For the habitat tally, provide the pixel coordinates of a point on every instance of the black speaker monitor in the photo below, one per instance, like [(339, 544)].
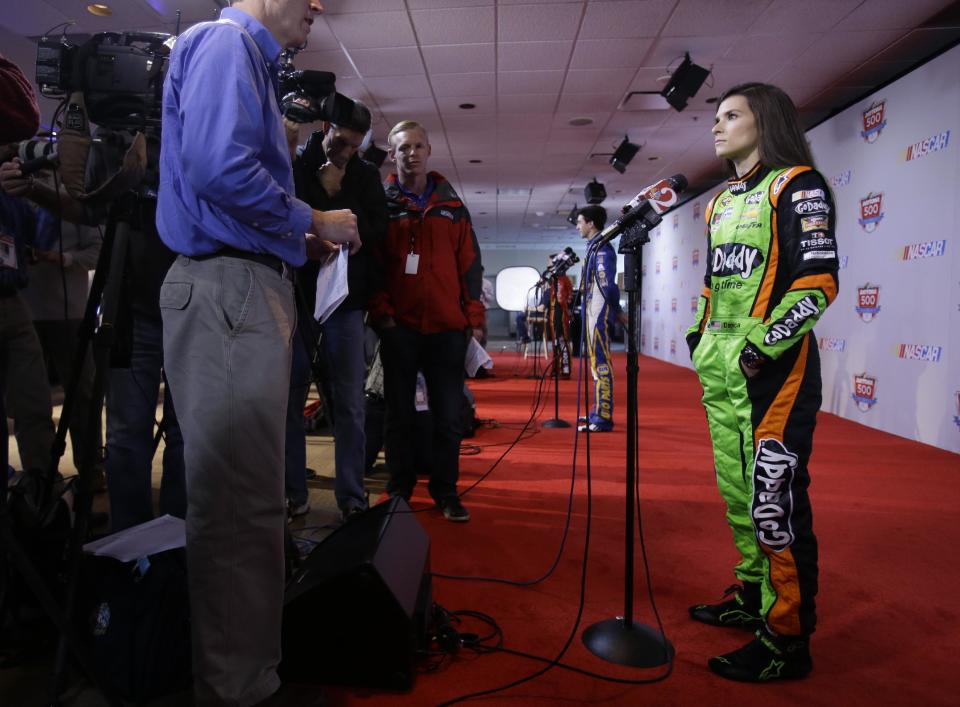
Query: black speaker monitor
[(684, 83), (358, 609)]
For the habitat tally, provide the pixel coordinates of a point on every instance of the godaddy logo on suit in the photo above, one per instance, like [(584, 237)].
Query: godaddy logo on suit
[(773, 469), (736, 259), (790, 323)]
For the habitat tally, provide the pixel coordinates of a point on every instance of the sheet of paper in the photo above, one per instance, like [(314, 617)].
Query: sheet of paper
[(154, 536), (476, 358), (331, 285)]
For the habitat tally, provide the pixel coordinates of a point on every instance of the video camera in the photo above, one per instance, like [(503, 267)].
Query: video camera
[(120, 75), (309, 96)]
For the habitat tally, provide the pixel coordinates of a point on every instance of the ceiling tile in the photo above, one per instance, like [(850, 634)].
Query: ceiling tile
[(321, 37), (610, 53), (459, 58), (704, 51), (424, 4), (846, 48), (334, 61), (468, 25), (891, 14), (526, 23), (697, 18), (337, 7), (770, 48), (531, 56), (393, 61), (371, 30), (450, 105), (623, 20), (598, 81), (529, 81), (784, 16), (528, 103), (410, 87), (594, 102), (464, 84)]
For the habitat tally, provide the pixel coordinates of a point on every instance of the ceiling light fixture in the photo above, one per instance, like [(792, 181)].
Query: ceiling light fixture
[(476, 161), (684, 83), (580, 122), (572, 216), (99, 9), (468, 106)]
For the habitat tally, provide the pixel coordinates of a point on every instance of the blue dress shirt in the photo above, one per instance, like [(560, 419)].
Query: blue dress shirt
[(225, 172)]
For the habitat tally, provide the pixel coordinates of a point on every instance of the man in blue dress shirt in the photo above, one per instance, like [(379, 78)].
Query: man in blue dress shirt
[(226, 206)]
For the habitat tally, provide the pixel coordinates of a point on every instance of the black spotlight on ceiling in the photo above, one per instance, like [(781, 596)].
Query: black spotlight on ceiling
[(625, 152), (594, 192), (375, 155), (684, 83), (572, 216)]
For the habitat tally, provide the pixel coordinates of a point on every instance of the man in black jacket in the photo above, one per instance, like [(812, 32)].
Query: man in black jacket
[(330, 174)]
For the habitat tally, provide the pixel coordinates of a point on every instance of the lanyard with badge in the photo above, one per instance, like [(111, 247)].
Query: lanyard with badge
[(412, 264)]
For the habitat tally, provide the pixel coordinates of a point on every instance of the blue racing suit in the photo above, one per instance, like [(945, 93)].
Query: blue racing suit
[(600, 301)]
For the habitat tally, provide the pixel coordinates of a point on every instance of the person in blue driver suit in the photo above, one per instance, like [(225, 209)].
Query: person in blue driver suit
[(601, 301)]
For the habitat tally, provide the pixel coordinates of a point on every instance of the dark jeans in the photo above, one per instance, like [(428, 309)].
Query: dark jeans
[(440, 357), (131, 411)]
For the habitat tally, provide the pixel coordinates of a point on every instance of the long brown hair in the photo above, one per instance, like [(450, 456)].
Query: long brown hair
[(782, 142)]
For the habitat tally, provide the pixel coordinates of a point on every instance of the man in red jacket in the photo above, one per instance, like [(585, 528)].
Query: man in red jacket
[(426, 312)]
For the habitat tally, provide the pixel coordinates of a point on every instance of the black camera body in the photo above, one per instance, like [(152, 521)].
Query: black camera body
[(119, 73), (309, 96)]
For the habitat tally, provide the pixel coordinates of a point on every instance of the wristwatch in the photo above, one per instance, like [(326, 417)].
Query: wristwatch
[(751, 357)]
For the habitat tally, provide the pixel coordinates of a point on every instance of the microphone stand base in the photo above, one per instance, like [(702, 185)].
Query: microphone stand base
[(555, 423), (637, 646)]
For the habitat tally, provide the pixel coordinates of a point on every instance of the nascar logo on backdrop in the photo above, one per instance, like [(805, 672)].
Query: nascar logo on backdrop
[(956, 418), (693, 304), (873, 121), (673, 347), (934, 143), (868, 302), (864, 391), (871, 211), (696, 211), (673, 305), (918, 251), (919, 352), (696, 257), (842, 179)]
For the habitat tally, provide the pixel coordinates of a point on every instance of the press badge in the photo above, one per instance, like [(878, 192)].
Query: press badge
[(413, 263), (8, 252)]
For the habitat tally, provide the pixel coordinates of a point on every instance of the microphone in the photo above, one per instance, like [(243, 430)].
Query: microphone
[(661, 195), (645, 214)]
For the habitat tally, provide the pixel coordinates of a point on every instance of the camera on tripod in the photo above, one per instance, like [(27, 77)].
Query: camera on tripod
[(119, 73), (309, 96)]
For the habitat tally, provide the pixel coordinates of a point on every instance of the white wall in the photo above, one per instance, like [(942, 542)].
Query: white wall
[(889, 343)]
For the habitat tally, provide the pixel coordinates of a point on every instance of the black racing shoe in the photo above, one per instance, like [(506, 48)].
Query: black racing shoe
[(766, 657), (453, 510), (742, 610)]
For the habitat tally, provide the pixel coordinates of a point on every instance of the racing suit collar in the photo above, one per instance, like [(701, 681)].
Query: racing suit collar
[(747, 182)]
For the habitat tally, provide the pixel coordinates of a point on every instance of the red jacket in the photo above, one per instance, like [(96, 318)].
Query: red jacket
[(444, 294)]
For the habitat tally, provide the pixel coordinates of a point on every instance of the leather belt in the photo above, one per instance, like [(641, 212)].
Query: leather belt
[(271, 261)]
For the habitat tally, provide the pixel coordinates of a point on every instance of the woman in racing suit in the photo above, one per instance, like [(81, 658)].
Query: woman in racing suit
[(771, 273)]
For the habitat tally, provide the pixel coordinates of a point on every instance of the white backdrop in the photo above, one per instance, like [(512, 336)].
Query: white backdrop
[(889, 343)]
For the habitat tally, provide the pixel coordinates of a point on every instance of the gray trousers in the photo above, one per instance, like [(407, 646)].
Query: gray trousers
[(227, 328)]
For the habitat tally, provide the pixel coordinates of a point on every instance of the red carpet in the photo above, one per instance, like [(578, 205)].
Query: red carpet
[(887, 515)]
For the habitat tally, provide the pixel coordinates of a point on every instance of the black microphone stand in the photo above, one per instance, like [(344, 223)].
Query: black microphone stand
[(556, 422), (621, 640)]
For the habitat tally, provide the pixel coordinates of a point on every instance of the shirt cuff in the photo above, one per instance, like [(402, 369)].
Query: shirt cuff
[(301, 218)]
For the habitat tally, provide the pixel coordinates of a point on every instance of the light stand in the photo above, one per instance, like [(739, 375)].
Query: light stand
[(556, 422), (620, 640), (532, 330)]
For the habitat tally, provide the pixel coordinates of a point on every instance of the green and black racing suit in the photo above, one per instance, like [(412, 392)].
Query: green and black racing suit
[(771, 273)]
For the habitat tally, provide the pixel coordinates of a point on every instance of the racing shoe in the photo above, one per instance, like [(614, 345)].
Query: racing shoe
[(767, 657), (742, 610)]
